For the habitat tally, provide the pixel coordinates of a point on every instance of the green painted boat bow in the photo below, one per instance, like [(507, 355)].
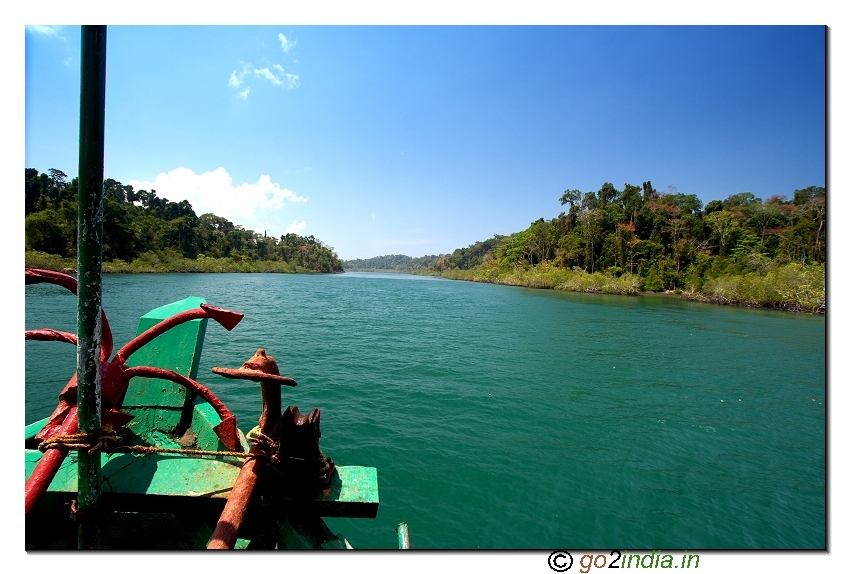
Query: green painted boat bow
[(170, 500)]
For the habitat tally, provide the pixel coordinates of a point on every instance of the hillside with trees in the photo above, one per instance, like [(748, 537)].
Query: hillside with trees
[(742, 250), (391, 263), (146, 233)]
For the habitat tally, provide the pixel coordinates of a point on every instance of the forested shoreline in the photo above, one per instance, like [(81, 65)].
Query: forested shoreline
[(392, 263), (739, 251), (143, 233)]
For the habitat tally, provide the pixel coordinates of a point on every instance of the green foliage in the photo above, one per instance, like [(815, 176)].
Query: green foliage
[(47, 231), (392, 263), (41, 260), (794, 287), (548, 276), (475, 254), (585, 282), (731, 250), (653, 280), (146, 233)]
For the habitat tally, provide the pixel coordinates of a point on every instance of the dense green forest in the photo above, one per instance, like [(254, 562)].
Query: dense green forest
[(391, 263), (742, 250), (143, 232)]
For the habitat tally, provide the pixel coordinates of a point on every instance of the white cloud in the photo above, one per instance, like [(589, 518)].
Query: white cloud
[(252, 205), (292, 81), (266, 73), (285, 44), (280, 77), (297, 227), (237, 78), (52, 31)]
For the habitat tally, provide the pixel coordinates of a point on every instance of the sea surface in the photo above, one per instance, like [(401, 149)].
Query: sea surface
[(510, 418)]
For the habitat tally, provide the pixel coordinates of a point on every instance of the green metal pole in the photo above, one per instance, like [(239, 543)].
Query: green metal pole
[(89, 261)]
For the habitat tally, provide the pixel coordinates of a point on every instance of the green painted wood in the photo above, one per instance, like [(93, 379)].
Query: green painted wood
[(204, 419), (157, 403), (353, 493), (241, 543), (32, 429), (174, 482)]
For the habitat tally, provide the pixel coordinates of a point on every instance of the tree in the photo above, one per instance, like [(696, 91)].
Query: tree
[(570, 248), (115, 191), (744, 201), (571, 196), (648, 191), (540, 241), (590, 201), (32, 190), (712, 206), (677, 228), (44, 231), (801, 196), (608, 193), (686, 203), (592, 233), (764, 215), (722, 223), (117, 233), (815, 208), (631, 200)]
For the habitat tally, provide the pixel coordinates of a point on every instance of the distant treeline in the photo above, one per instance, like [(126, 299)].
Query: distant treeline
[(742, 250), (392, 263), (143, 232)]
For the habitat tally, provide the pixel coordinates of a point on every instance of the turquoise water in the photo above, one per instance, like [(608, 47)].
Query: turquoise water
[(510, 418)]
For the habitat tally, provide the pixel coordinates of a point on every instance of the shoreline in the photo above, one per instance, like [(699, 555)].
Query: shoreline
[(692, 296), (535, 278)]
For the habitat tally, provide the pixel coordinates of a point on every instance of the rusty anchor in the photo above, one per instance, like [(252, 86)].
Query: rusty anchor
[(263, 369), (288, 443), (116, 375)]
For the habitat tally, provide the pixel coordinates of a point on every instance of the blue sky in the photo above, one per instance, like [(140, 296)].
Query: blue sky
[(422, 139), (419, 141)]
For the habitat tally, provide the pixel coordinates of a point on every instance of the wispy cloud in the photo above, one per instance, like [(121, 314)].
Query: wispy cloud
[(297, 227), (266, 73), (50, 31), (292, 80), (237, 77), (280, 77), (252, 205), (286, 45)]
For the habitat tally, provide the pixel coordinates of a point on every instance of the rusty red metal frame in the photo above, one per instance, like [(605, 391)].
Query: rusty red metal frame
[(115, 377), (33, 276)]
